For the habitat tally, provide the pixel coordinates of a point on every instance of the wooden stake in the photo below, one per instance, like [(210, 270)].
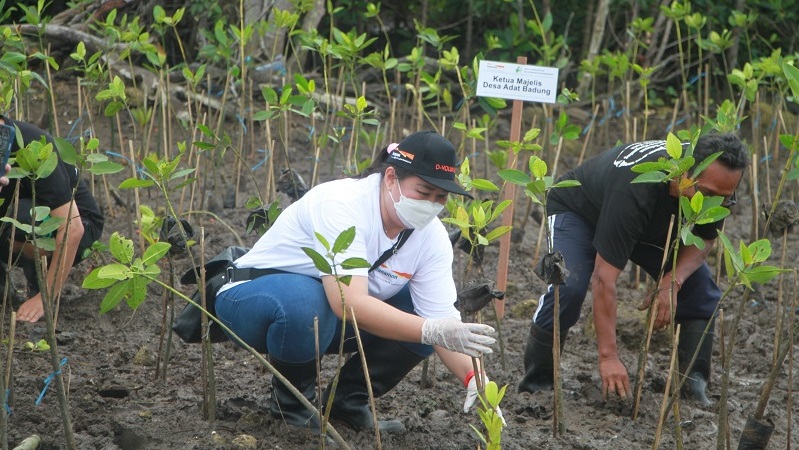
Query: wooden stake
[(507, 215)]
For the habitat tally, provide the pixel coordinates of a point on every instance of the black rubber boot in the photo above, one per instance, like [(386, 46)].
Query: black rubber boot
[(284, 405), (690, 334), (29, 269), (538, 364), (388, 363)]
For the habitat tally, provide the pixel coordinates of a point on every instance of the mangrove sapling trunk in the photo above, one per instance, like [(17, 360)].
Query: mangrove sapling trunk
[(63, 405), (375, 422), (163, 353), (209, 381), (558, 425), (664, 406), (725, 371)]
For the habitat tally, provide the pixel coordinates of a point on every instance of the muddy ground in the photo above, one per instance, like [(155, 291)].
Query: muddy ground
[(116, 401)]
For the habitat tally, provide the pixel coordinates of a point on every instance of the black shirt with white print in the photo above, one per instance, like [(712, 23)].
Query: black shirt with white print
[(624, 213)]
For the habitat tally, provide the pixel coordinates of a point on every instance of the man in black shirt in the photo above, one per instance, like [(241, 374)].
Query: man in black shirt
[(607, 221), (69, 198)]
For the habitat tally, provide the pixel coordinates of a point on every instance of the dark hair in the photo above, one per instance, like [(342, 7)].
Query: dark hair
[(734, 154), (380, 164)]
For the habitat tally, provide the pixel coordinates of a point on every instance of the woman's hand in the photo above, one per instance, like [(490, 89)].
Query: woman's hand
[(470, 339), (471, 394)]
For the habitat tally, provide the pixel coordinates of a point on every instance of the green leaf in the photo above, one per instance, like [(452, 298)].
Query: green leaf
[(673, 146), (93, 281), (155, 252), (121, 248), (760, 250), (538, 167), (514, 176), (25, 228), (711, 215), (114, 271), (152, 271), (46, 243), (696, 201), (318, 260), (138, 292), (134, 183), (355, 263), (566, 183), (704, 164), (746, 255), (48, 166), (792, 75), (344, 240), (650, 177), (114, 296), (497, 232), (652, 166), (763, 274), (484, 185), (66, 151), (345, 280), (105, 168), (49, 225), (323, 241)]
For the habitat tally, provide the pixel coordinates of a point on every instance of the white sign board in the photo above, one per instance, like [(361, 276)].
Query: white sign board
[(517, 82)]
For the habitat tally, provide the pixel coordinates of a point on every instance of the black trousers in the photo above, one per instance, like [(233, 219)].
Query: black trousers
[(573, 237)]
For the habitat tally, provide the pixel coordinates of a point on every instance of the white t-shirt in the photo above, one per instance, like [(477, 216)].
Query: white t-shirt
[(424, 261)]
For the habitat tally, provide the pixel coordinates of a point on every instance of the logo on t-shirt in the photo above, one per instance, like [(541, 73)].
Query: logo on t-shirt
[(637, 152), (391, 277)]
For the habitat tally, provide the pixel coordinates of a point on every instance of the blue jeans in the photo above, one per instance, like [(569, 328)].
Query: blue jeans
[(275, 315), (573, 237)]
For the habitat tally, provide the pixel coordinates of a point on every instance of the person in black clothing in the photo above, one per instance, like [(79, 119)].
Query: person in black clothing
[(67, 197), (607, 221)]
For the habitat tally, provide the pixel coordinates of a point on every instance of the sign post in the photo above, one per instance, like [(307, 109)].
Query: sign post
[(518, 82)]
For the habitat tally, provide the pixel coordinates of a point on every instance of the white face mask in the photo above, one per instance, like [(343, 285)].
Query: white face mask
[(414, 213)]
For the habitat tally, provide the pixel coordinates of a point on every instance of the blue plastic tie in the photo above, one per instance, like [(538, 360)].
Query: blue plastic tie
[(5, 402), (49, 380)]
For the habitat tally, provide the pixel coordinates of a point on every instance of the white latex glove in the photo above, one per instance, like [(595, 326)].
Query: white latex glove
[(468, 338), (471, 395)]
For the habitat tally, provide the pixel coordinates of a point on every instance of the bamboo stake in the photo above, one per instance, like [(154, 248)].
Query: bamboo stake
[(780, 316), (723, 428), (723, 354), (666, 392), (639, 380), (753, 233), (375, 422), (29, 443), (792, 341), (136, 197)]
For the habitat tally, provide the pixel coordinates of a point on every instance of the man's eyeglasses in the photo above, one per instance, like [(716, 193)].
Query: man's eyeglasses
[(727, 202)]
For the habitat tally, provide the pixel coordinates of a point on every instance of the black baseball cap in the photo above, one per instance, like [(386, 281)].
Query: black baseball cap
[(429, 156)]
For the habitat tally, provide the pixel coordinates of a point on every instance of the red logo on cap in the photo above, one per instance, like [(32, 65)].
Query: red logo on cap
[(445, 168)]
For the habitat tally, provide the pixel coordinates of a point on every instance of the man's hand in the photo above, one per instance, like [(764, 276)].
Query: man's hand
[(32, 310), (614, 378), (663, 305), (4, 178)]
